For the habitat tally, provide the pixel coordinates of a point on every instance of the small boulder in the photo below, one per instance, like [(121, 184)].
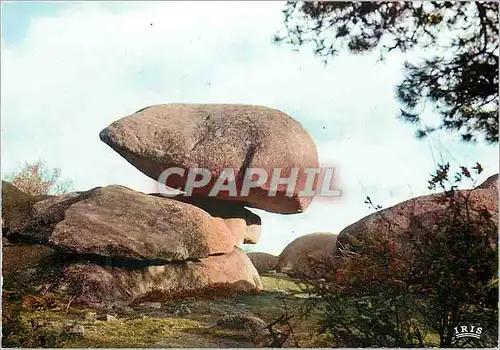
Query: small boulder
[(263, 262), (308, 255), (182, 311), (251, 325)]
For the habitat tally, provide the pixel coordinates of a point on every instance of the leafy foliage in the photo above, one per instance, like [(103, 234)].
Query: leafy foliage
[(461, 79), (37, 179)]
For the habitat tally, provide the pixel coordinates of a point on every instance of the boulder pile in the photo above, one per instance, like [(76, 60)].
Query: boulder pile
[(112, 243)]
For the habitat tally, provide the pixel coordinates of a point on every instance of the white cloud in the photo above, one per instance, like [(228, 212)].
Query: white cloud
[(90, 64)]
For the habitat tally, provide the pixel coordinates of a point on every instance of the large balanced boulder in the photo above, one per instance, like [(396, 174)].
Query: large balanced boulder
[(39, 222), (422, 213), (217, 137), (263, 262), (97, 283), (117, 222), (308, 256)]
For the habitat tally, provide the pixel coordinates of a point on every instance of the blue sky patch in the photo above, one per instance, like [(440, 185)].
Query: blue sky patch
[(16, 17)]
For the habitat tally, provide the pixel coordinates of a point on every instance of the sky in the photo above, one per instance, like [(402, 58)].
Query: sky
[(70, 69)]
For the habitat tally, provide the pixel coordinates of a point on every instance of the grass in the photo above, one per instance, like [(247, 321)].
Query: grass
[(282, 283)]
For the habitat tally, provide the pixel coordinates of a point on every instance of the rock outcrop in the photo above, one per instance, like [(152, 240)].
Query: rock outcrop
[(115, 244), (263, 262)]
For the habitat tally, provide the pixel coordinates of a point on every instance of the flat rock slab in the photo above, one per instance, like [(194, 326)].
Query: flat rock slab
[(216, 137), (92, 283), (117, 222)]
